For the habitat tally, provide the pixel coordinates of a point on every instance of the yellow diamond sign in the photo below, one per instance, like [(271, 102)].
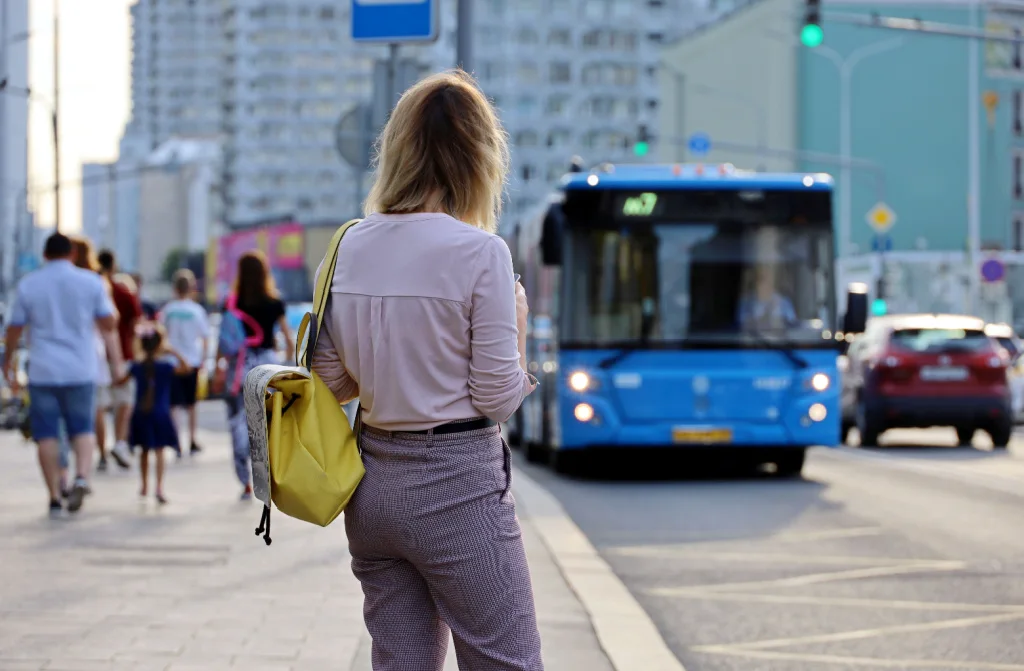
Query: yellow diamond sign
[(881, 218)]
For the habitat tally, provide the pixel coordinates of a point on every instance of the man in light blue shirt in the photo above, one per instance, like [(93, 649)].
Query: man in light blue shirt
[(61, 306)]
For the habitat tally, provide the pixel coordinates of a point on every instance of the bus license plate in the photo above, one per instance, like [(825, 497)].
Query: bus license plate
[(701, 436)]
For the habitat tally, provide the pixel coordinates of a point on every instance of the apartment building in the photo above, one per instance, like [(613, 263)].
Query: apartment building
[(271, 78)]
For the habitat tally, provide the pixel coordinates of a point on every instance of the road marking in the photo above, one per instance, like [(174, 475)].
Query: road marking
[(699, 593), (836, 576), (981, 473), (627, 635), (825, 534), (813, 560), (862, 634), (870, 661)]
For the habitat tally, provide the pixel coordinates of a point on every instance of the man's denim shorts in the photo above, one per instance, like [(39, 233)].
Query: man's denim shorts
[(75, 404)]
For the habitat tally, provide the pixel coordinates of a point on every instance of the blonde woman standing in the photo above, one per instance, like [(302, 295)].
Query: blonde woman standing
[(426, 326)]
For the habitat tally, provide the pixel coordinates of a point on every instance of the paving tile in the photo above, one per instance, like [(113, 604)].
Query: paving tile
[(127, 587)]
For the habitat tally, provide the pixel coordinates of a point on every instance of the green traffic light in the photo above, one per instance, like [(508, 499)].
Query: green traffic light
[(878, 307), (641, 148), (812, 35)]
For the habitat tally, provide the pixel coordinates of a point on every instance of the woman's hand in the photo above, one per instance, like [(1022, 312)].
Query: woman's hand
[(522, 307), (522, 312)]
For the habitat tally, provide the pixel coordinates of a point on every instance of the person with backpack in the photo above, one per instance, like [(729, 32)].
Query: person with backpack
[(251, 315), (426, 325)]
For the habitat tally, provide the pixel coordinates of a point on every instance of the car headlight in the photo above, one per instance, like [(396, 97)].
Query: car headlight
[(820, 382), (579, 381)]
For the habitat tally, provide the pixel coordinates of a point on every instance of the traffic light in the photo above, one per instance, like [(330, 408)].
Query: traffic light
[(643, 141), (811, 34), (879, 307)]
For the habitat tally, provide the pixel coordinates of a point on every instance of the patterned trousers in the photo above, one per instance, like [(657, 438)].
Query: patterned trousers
[(236, 415), (437, 547)]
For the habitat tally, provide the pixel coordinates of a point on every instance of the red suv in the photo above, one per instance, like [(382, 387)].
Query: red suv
[(928, 370)]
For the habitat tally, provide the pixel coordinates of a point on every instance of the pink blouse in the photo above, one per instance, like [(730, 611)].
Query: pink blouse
[(421, 324)]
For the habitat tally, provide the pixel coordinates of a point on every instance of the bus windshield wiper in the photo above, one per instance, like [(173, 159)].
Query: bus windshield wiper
[(645, 337), (759, 337)]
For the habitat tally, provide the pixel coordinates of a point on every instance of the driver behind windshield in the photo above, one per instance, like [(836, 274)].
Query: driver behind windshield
[(763, 308)]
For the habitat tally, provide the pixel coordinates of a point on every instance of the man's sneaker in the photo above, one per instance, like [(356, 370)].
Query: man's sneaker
[(102, 466), (247, 494), (195, 449), (56, 508), (78, 492), (121, 454)]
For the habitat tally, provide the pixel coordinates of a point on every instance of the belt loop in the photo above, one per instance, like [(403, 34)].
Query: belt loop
[(430, 437)]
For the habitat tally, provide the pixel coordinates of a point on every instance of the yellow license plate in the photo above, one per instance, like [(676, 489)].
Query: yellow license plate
[(701, 436)]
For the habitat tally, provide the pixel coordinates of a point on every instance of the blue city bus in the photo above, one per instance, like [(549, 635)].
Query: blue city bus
[(685, 307)]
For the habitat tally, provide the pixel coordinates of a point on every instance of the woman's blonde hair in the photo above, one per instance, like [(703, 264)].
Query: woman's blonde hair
[(443, 141)]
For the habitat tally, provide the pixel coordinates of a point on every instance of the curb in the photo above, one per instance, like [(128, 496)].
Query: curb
[(626, 633)]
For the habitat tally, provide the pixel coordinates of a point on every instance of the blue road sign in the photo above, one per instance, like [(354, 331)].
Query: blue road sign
[(993, 270), (700, 143), (394, 21), (881, 243)]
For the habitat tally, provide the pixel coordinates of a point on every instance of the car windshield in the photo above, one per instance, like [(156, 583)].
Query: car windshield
[(935, 340), (1009, 345)]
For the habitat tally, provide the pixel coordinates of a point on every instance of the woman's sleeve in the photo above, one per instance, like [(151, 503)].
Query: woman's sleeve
[(328, 365), (497, 383)]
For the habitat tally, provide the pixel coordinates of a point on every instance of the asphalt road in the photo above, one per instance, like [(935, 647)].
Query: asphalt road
[(910, 556)]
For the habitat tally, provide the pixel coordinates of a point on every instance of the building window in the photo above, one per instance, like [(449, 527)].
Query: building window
[(1018, 232), (1018, 174), (527, 138), (557, 105), (560, 37), (561, 73), (1018, 112), (1016, 48)]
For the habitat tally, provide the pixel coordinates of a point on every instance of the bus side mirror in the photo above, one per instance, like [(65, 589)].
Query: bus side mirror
[(551, 236), (856, 318)]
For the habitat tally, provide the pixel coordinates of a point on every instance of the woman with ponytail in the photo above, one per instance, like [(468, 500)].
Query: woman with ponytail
[(152, 426)]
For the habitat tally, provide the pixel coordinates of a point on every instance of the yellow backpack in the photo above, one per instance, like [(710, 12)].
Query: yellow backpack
[(304, 453)]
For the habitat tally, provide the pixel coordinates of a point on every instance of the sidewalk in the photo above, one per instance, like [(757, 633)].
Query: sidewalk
[(128, 586)]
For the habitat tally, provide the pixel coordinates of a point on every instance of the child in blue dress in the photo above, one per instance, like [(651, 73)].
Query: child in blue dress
[(152, 426)]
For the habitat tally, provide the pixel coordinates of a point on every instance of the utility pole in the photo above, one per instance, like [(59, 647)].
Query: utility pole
[(6, 237), (55, 116), (464, 36)]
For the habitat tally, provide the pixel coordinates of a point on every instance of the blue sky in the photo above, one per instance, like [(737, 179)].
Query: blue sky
[(95, 60)]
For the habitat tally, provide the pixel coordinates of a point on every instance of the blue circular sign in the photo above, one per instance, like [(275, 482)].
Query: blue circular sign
[(993, 270), (700, 143)]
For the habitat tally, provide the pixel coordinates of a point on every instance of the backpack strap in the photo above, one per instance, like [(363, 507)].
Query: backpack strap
[(312, 322)]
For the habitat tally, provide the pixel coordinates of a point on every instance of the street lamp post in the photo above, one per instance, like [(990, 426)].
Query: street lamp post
[(845, 66), (680, 87)]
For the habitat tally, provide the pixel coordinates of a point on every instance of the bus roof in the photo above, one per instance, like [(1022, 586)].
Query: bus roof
[(693, 176)]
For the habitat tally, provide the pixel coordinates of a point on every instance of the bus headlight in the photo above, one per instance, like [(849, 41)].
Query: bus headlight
[(584, 412), (817, 412), (579, 381), (820, 382)]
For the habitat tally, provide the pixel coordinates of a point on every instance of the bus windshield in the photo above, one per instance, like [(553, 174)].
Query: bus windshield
[(733, 280)]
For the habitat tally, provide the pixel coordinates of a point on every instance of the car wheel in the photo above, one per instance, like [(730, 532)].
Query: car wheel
[(1000, 434), (536, 453), (868, 425), (790, 464), (965, 435)]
